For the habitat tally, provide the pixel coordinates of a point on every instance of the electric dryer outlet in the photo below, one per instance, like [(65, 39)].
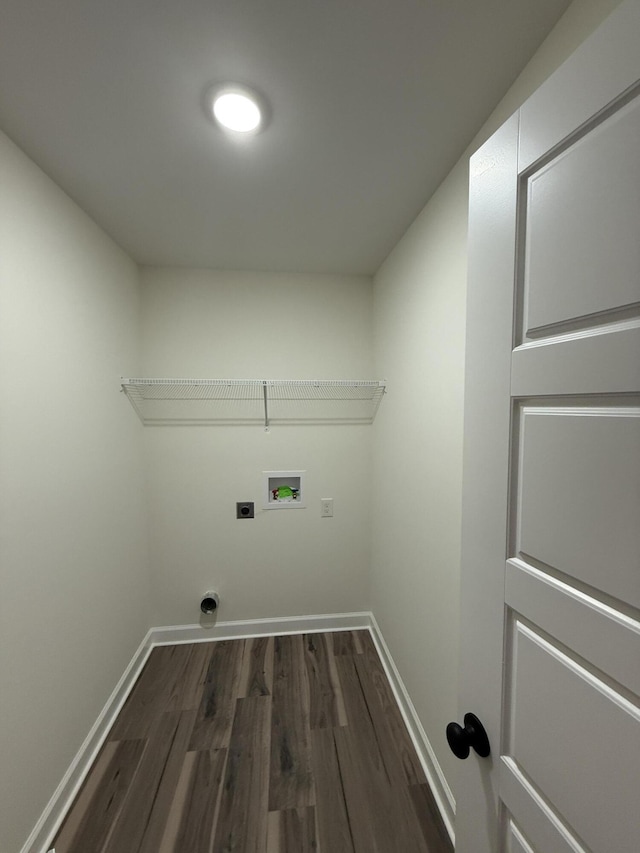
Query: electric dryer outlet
[(245, 509)]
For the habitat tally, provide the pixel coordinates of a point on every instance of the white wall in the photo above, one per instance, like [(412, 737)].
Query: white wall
[(222, 325), (419, 325), (72, 535)]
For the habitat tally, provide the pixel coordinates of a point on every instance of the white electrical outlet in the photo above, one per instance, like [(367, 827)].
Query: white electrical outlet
[(326, 507)]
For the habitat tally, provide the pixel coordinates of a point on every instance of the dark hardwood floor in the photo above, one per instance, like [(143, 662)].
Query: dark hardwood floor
[(274, 745)]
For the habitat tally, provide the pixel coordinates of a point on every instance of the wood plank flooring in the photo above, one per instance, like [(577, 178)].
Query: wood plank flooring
[(288, 744)]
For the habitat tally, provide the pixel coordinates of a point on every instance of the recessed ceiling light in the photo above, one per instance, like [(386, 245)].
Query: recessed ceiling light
[(237, 108)]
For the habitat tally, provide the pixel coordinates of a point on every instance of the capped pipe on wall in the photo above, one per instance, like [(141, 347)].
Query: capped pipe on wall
[(209, 603)]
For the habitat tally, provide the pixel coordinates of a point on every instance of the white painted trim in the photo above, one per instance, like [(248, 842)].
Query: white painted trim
[(43, 833), (175, 634), (41, 837), (440, 789)]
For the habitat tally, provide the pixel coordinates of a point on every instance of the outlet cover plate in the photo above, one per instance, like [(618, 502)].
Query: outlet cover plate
[(326, 507)]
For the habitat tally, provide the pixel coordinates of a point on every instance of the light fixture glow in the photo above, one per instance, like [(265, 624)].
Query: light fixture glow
[(237, 109)]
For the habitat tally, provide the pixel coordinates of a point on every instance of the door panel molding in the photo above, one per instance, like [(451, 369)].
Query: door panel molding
[(557, 365), (594, 630), (569, 731), (593, 78), (577, 475), (515, 842), (541, 823), (570, 233)]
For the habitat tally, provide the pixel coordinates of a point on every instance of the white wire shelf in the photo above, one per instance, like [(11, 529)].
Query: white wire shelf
[(161, 402)]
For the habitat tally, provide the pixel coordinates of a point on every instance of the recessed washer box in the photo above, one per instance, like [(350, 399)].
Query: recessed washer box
[(283, 489)]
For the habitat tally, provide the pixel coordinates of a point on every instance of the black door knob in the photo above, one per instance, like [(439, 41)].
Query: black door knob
[(472, 735)]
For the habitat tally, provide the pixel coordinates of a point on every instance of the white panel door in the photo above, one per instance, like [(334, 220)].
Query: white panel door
[(550, 646)]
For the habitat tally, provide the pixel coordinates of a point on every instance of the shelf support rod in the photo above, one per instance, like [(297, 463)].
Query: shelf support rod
[(266, 407)]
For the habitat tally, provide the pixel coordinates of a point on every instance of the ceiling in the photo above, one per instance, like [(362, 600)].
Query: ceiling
[(372, 103)]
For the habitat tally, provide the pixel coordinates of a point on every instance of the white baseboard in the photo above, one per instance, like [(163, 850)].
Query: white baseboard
[(173, 634), (439, 786), (43, 833), (49, 822)]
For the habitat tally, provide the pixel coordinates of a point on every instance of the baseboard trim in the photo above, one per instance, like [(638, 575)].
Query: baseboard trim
[(45, 829), (439, 786), (49, 822), (174, 634)]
